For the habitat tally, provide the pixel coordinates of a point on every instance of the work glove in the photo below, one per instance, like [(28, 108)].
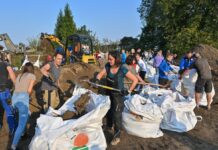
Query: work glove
[(48, 80), (96, 81), (125, 92)]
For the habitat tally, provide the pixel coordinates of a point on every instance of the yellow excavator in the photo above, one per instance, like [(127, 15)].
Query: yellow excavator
[(81, 48), (77, 48)]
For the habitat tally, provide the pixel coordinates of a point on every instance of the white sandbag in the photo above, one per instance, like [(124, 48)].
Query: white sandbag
[(158, 96), (176, 83), (148, 126), (178, 114), (55, 134)]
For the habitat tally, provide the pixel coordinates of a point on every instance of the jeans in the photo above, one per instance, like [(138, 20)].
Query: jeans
[(20, 102), (4, 96)]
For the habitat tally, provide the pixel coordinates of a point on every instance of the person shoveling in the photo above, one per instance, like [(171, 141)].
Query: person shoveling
[(115, 73), (50, 82)]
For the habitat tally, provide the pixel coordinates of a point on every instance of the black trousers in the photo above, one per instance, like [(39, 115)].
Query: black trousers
[(142, 74), (114, 115)]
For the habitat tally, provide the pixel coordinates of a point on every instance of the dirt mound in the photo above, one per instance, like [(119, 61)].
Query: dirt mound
[(208, 52)]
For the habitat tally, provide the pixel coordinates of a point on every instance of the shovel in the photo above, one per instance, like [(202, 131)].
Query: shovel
[(152, 84), (102, 86)]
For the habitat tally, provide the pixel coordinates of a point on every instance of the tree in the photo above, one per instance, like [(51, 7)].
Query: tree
[(59, 26), (178, 24), (83, 30), (128, 43), (65, 25)]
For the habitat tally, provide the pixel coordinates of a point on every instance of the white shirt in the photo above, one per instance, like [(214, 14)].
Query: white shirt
[(142, 65)]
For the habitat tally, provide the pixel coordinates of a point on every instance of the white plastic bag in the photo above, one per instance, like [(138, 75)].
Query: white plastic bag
[(178, 114), (55, 134), (149, 124)]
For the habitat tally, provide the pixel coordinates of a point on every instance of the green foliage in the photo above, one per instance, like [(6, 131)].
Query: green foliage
[(65, 25), (178, 24), (83, 30), (128, 43)]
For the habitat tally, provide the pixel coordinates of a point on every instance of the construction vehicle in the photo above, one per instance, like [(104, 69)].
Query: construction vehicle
[(53, 39), (78, 47), (81, 48), (10, 45)]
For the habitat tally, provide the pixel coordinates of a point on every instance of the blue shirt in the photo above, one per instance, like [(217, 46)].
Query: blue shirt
[(123, 57), (185, 63), (164, 67)]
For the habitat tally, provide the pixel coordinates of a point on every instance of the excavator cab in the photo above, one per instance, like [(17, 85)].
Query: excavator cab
[(81, 48)]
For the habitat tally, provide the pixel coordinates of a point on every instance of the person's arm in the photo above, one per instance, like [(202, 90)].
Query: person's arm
[(101, 74), (30, 88), (45, 70), (11, 74), (132, 77)]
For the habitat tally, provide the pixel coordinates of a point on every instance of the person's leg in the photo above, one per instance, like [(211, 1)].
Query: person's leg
[(45, 100), (208, 89), (23, 117), (109, 115), (54, 99), (117, 117), (9, 112), (197, 98), (199, 87)]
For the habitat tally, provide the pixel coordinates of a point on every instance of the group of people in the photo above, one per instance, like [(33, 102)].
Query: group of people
[(121, 68), (17, 105), (120, 71), (23, 84)]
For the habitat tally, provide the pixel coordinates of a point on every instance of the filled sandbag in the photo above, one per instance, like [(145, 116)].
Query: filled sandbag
[(55, 134), (142, 118)]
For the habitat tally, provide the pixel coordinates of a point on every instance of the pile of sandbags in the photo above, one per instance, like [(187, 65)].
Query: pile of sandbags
[(53, 133)]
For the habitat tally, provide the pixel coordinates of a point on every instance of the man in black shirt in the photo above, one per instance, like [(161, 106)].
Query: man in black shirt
[(204, 81)]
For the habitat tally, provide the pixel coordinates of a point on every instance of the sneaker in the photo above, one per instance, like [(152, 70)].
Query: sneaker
[(115, 141)]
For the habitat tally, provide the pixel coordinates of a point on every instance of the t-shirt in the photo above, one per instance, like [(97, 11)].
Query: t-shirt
[(128, 81), (142, 65), (203, 68), (23, 82), (55, 73), (118, 78), (123, 69)]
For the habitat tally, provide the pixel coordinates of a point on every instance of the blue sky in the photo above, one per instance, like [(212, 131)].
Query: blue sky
[(110, 19)]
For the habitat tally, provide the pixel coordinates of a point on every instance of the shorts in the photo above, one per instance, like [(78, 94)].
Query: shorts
[(203, 85)]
